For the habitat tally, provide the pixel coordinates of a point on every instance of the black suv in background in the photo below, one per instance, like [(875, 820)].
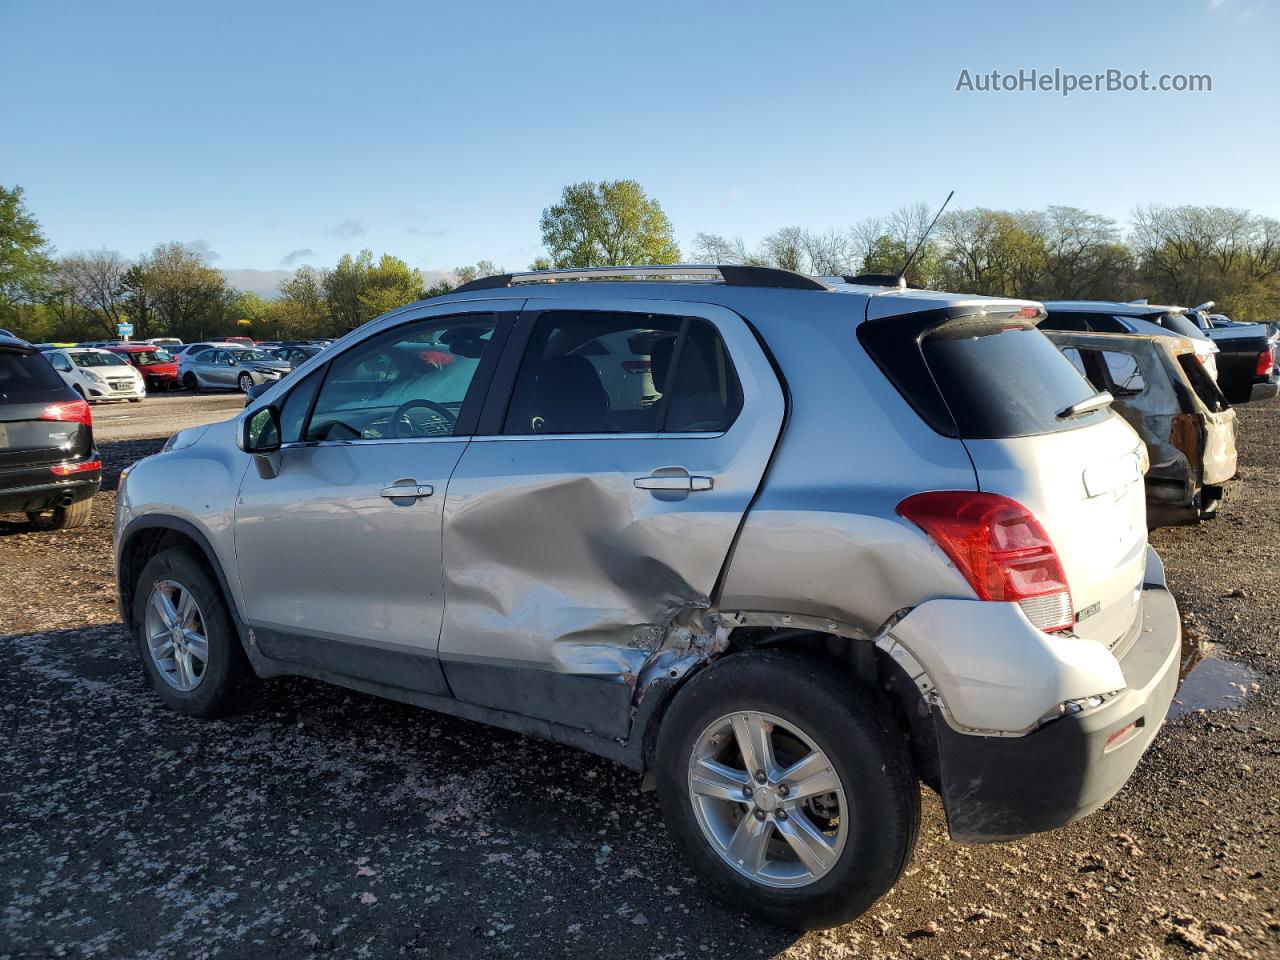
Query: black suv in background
[(49, 468)]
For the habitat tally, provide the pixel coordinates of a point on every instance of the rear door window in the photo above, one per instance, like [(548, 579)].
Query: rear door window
[(596, 372)]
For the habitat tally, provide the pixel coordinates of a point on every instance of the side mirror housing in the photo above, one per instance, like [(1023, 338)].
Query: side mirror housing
[(260, 431)]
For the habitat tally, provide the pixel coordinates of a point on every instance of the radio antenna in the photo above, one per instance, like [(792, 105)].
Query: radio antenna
[(925, 236)]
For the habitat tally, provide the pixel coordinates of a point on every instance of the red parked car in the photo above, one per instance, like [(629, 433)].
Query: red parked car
[(155, 364)]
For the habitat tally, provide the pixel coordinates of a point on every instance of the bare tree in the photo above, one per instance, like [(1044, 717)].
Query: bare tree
[(93, 282)]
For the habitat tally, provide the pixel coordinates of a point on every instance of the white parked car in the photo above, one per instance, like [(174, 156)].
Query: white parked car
[(98, 375)]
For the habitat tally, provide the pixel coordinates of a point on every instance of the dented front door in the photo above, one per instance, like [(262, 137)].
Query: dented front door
[(568, 557)]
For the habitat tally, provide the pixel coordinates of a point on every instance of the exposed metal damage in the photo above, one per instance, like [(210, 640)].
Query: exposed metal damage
[(1165, 394)]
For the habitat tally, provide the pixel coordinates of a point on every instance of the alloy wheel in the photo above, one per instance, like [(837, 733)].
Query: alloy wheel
[(176, 636), (768, 799)]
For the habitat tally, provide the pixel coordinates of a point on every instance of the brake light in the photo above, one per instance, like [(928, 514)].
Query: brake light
[(67, 469), (1265, 362), (1001, 550), (77, 411)]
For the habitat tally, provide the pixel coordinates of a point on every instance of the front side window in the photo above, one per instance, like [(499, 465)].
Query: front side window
[(410, 383), (602, 373)]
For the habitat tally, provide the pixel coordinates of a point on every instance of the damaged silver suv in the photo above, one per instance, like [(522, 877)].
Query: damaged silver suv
[(788, 546)]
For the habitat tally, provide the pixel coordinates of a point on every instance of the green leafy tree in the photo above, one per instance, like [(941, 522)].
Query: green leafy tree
[(607, 224), (358, 289), (26, 264), (171, 291), (301, 311)]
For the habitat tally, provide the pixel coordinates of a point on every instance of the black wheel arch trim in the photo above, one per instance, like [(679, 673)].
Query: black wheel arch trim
[(124, 590)]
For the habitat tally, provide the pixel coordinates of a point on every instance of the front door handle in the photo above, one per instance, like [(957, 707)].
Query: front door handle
[(673, 483), (407, 488)]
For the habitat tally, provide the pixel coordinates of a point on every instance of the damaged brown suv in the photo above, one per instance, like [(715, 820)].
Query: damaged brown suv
[(1162, 389)]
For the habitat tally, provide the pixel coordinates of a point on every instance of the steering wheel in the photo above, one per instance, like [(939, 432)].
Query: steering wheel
[(404, 426)]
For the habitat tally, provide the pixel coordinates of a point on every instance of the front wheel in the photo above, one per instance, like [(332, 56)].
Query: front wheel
[(187, 641), (189, 382), (790, 791), (245, 382)]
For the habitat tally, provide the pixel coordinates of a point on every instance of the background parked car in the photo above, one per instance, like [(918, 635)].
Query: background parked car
[(155, 364), (295, 356), (231, 368), (98, 375), (242, 341), (1165, 394), (49, 468), (1105, 316), (1247, 355), (168, 343)]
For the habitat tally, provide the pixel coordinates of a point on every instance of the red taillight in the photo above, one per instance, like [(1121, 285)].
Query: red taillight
[(67, 469), (1000, 548), (77, 411), (1265, 362)]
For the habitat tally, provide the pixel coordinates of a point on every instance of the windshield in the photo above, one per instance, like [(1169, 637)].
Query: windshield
[(148, 358), (96, 359), (244, 355)]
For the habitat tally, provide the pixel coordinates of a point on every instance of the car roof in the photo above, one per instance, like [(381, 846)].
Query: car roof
[(1112, 307), (8, 340), (875, 300)]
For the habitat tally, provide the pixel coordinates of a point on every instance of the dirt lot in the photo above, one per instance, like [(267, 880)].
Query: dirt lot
[(327, 822)]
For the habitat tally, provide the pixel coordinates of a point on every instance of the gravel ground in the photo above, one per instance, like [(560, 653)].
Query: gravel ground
[(327, 822)]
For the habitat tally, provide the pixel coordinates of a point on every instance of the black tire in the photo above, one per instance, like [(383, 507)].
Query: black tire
[(189, 382), (135, 399), (62, 518), (245, 382), (869, 753), (228, 680)]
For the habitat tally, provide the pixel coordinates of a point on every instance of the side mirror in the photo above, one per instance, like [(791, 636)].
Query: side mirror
[(260, 431)]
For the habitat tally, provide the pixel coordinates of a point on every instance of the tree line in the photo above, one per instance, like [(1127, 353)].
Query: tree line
[(1168, 254)]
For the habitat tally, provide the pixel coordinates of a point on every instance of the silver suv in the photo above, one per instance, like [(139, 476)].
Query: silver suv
[(788, 546)]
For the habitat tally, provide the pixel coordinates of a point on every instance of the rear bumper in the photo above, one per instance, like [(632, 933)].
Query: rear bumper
[(42, 496), (1264, 391), (998, 788)]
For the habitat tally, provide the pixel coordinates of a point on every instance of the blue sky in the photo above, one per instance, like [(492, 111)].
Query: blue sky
[(274, 134)]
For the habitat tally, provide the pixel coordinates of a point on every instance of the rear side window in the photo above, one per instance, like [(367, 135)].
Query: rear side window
[(588, 372), (27, 376), (976, 378)]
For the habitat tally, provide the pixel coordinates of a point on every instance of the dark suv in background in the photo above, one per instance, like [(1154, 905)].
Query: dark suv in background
[(49, 468)]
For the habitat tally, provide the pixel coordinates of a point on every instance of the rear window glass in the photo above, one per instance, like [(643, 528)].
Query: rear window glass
[(1003, 379), (25, 375), (977, 378)]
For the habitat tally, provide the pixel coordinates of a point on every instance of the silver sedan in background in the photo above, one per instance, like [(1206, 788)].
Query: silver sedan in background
[(230, 368)]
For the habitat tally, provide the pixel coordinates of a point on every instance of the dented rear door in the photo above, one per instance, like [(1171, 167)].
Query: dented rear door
[(583, 525)]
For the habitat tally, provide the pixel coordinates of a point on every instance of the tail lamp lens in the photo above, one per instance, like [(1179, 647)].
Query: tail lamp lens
[(1265, 362), (68, 469), (1000, 548), (76, 411)]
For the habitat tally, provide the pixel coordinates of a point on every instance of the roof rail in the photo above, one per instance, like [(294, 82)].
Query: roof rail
[(878, 280), (732, 275)]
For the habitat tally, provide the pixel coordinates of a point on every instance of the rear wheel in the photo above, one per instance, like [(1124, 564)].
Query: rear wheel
[(789, 790), (188, 644), (62, 518)]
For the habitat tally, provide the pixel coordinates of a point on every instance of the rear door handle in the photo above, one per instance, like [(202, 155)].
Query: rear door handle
[(673, 483), (411, 489)]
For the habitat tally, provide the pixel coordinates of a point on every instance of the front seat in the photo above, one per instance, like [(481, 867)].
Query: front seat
[(569, 398)]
